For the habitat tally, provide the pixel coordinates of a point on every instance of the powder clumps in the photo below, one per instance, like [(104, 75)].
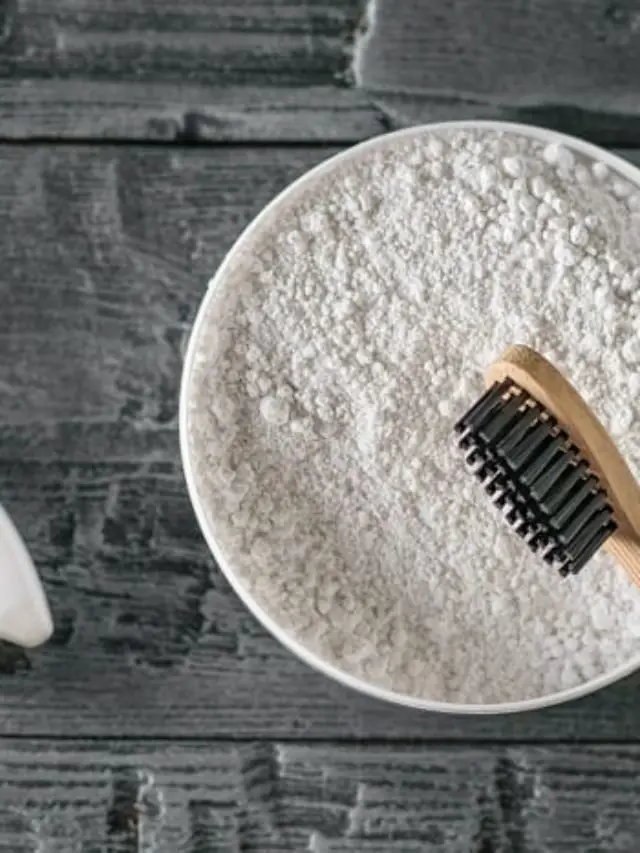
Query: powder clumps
[(331, 366)]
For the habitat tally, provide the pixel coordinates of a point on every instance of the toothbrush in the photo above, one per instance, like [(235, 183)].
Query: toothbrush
[(550, 466)]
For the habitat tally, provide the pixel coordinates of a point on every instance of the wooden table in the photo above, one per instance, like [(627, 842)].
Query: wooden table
[(138, 138)]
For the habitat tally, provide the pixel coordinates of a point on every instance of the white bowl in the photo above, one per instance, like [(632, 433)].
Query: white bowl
[(295, 189)]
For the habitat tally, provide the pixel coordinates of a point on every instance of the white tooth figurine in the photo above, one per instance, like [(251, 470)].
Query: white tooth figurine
[(25, 618)]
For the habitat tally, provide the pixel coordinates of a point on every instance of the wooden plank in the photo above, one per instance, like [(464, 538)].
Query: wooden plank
[(571, 66), (184, 112), (106, 252), (280, 798), (122, 69)]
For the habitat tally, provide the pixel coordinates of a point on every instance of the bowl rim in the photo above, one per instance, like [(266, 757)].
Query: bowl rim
[(623, 167)]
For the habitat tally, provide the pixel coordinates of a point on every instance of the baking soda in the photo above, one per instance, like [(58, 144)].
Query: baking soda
[(333, 361)]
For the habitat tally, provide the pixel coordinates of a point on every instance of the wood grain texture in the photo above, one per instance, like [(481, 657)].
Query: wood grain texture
[(574, 67), (189, 71), (280, 798), (106, 252), (285, 71)]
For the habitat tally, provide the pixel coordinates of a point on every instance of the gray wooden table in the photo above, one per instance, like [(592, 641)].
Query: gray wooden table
[(137, 139)]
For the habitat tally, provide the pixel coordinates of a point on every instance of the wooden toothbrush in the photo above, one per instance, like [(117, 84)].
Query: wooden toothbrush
[(548, 463)]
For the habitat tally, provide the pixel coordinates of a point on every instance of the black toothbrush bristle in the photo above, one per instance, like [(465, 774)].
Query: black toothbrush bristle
[(536, 476)]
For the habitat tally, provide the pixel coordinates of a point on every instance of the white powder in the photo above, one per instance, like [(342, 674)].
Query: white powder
[(335, 358)]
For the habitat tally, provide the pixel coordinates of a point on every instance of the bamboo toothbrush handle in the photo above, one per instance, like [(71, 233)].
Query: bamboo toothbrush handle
[(625, 550), (528, 369)]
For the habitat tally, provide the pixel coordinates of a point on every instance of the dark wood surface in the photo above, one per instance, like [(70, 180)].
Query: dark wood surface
[(572, 66), (322, 70), (284, 798), (180, 71), (161, 717)]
